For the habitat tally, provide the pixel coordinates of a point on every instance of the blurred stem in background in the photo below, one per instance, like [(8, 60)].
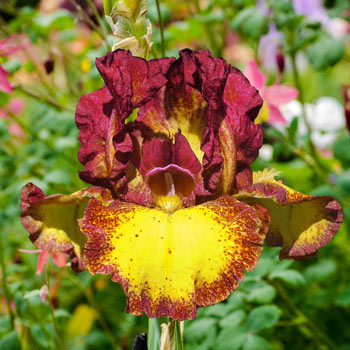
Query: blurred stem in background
[(89, 294), (312, 147), (59, 339), (4, 284), (161, 28), (100, 28), (317, 333), (210, 34)]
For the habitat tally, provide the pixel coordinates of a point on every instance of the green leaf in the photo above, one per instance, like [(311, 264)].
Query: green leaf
[(231, 338), (254, 342), (61, 313), (320, 271), (281, 265), (291, 277), (4, 324), (12, 66), (233, 319), (263, 317), (32, 294), (341, 150), (236, 300), (293, 128), (219, 310), (265, 265), (60, 19), (343, 298), (325, 52), (57, 176), (197, 330), (38, 335), (264, 294), (251, 22), (10, 342)]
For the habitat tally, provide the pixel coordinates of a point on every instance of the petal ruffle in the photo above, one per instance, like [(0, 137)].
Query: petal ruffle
[(169, 264), (52, 221), (132, 81), (106, 141), (192, 102), (300, 224), (243, 104), (97, 122)]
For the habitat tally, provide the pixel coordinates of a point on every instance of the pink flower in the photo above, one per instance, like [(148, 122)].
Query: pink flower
[(15, 107), (7, 47), (58, 258), (273, 96)]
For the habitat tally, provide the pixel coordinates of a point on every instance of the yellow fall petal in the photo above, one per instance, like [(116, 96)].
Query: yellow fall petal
[(300, 224), (52, 221), (170, 263)]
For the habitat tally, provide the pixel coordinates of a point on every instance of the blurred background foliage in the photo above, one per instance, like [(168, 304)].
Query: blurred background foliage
[(279, 305)]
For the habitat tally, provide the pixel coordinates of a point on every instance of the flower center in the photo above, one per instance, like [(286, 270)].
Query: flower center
[(168, 184)]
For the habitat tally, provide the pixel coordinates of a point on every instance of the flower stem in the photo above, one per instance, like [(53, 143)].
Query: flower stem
[(153, 335), (42, 98), (89, 294), (6, 291), (88, 20), (100, 22), (60, 344), (209, 33), (160, 20), (298, 85), (318, 333), (178, 336), (301, 93)]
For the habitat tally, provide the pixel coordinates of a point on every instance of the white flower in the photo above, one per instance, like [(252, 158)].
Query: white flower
[(325, 116)]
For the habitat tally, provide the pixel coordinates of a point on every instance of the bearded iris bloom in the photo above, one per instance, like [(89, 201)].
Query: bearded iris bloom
[(175, 213)]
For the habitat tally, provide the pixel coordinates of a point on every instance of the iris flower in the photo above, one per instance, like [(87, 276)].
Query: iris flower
[(175, 213)]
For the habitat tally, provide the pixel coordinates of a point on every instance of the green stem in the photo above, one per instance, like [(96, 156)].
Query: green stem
[(317, 332), (59, 340), (160, 20), (209, 33), (298, 85), (178, 336), (82, 12), (6, 290), (91, 299), (100, 22), (153, 335), (301, 94), (46, 99)]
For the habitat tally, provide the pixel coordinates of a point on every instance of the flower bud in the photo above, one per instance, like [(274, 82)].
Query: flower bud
[(280, 60), (130, 25), (346, 96)]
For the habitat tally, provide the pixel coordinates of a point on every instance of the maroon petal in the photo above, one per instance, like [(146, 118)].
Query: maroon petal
[(243, 103), (132, 80), (100, 132), (106, 141), (52, 221), (183, 155), (156, 153), (199, 70)]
